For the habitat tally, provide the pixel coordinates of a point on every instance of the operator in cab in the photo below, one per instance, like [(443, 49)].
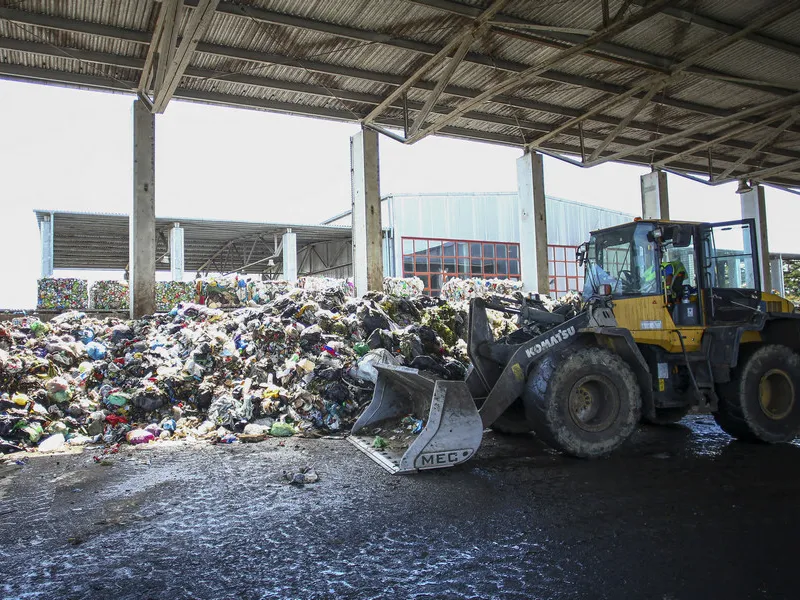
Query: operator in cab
[(673, 274)]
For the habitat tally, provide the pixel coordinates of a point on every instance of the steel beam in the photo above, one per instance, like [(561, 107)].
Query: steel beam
[(460, 43), (444, 79), (64, 24), (789, 166), (703, 52), (756, 110), (198, 24), (765, 141), (728, 134), (162, 45), (534, 71), (506, 25), (697, 18), (643, 101)]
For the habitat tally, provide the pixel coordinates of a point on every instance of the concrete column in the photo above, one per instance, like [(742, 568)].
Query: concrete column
[(176, 252), (655, 195), (754, 206), (366, 214), (776, 274), (143, 215), (532, 223), (46, 234), (289, 253)]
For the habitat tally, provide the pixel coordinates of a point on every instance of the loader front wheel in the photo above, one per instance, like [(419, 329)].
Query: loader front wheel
[(762, 401), (513, 421), (585, 403)]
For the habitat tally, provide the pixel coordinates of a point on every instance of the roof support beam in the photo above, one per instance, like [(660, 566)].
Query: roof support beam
[(64, 24), (263, 58), (765, 141), (460, 43), (776, 170), (693, 17), (643, 101), (196, 28), (162, 46), (545, 34), (703, 52), (275, 18), (728, 134), (522, 77), (444, 79), (700, 127)]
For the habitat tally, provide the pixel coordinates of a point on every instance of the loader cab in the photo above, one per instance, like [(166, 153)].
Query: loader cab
[(625, 258), (713, 268)]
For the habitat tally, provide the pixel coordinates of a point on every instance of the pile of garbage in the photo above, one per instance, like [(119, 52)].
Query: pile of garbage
[(303, 363)]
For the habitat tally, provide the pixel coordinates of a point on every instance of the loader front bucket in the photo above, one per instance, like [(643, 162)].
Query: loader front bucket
[(452, 427)]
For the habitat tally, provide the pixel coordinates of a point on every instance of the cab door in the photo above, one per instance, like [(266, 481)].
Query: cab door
[(729, 271)]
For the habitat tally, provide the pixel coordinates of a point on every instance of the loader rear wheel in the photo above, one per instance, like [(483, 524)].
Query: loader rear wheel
[(513, 421), (585, 403), (667, 416), (762, 401)]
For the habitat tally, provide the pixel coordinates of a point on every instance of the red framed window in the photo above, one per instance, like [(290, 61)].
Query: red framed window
[(565, 275), (435, 261)]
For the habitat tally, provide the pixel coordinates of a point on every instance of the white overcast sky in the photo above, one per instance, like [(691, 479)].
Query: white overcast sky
[(65, 149)]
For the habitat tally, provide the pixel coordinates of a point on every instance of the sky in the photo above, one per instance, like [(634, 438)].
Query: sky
[(66, 149)]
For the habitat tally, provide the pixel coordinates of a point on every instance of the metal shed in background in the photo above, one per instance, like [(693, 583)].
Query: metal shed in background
[(440, 236), (73, 240)]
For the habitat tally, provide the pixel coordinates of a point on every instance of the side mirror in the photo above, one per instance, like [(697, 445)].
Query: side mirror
[(682, 237), (580, 253)]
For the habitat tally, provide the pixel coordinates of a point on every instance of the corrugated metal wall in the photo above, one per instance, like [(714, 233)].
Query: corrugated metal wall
[(325, 259), (488, 217)]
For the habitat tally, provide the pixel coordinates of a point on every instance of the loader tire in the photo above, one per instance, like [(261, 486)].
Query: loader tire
[(585, 403), (761, 403), (667, 416), (513, 421)]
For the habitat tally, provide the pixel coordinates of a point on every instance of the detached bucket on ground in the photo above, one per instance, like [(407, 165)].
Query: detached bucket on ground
[(452, 427)]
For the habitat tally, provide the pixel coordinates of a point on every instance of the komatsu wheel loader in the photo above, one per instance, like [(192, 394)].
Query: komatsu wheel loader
[(642, 347)]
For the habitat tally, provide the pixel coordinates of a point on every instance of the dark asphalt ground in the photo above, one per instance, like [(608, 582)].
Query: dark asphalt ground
[(682, 512)]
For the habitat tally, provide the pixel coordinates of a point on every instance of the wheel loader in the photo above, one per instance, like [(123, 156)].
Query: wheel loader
[(642, 346)]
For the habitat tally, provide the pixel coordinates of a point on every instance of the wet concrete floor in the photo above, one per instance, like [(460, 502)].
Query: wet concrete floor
[(682, 512)]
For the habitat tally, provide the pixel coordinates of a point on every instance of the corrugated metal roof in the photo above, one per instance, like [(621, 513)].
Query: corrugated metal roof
[(338, 60)]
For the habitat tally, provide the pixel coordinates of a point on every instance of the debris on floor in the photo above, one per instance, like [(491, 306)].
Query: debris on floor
[(302, 476)]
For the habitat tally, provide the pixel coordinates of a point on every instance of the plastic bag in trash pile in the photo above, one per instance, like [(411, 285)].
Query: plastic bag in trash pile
[(303, 363)]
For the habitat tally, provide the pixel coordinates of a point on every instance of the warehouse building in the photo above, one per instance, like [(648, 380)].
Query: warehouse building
[(440, 236)]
